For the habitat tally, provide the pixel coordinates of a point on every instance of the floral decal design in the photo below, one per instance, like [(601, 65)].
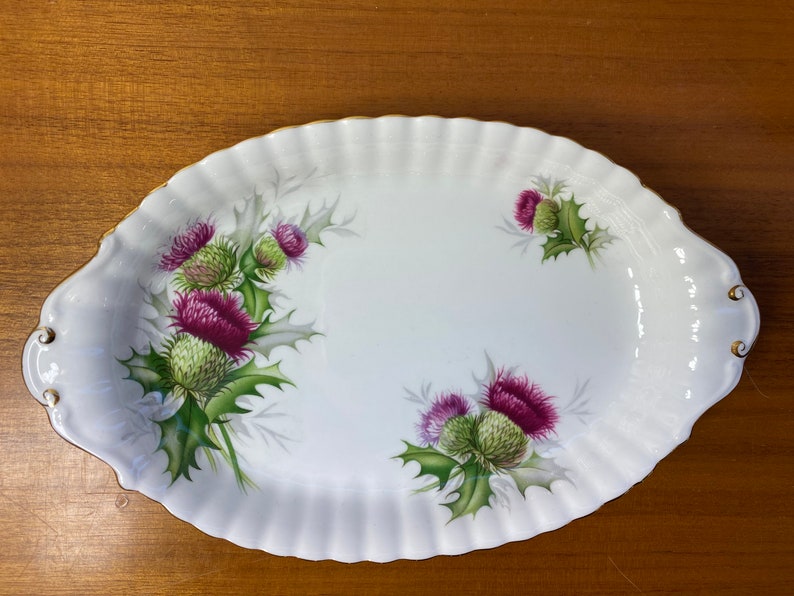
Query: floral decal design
[(549, 209), (469, 443), (214, 325)]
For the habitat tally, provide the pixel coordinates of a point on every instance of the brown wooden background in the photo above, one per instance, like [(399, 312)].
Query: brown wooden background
[(101, 101)]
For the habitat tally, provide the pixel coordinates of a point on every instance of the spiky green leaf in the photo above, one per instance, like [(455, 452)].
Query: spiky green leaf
[(536, 471), (148, 369), (245, 380), (256, 301), (280, 332), (548, 186), (473, 493), (159, 301), (572, 226), (313, 224), (598, 238), (431, 462), (181, 436), (555, 246), (248, 220)]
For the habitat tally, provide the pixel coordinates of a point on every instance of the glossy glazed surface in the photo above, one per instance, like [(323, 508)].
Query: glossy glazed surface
[(434, 282)]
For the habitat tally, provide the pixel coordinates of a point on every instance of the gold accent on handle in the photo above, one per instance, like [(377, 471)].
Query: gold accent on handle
[(51, 396), (47, 335), (738, 348)]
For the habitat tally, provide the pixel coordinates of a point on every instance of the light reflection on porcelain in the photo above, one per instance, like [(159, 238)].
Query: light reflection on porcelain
[(577, 285), (51, 375)]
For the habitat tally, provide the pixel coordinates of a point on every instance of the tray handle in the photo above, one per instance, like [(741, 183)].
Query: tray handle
[(38, 383), (742, 348)]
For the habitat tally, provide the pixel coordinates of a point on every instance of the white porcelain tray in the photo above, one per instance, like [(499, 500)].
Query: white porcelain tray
[(391, 338)]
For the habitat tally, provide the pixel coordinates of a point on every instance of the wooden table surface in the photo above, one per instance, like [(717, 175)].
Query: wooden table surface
[(102, 101)]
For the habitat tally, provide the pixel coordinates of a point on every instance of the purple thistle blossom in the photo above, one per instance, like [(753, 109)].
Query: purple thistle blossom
[(216, 318), (444, 407), (526, 204), (523, 402), (291, 239), (186, 244)]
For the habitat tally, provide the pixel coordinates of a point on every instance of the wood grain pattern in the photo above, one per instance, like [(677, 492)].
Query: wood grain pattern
[(102, 101)]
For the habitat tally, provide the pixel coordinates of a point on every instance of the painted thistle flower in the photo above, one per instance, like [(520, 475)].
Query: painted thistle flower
[(546, 219), (195, 366), (186, 244), (494, 440), (270, 256), (498, 443), (216, 318), (444, 407), (526, 205), (458, 435), (291, 239), (213, 266), (522, 402), (284, 245)]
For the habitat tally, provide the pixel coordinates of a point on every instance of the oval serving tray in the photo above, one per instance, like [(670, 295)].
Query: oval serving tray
[(391, 338)]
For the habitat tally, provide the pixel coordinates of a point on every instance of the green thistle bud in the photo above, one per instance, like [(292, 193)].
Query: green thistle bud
[(546, 220), (457, 435), (499, 443), (195, 366), (271, 256), (211, 267)]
